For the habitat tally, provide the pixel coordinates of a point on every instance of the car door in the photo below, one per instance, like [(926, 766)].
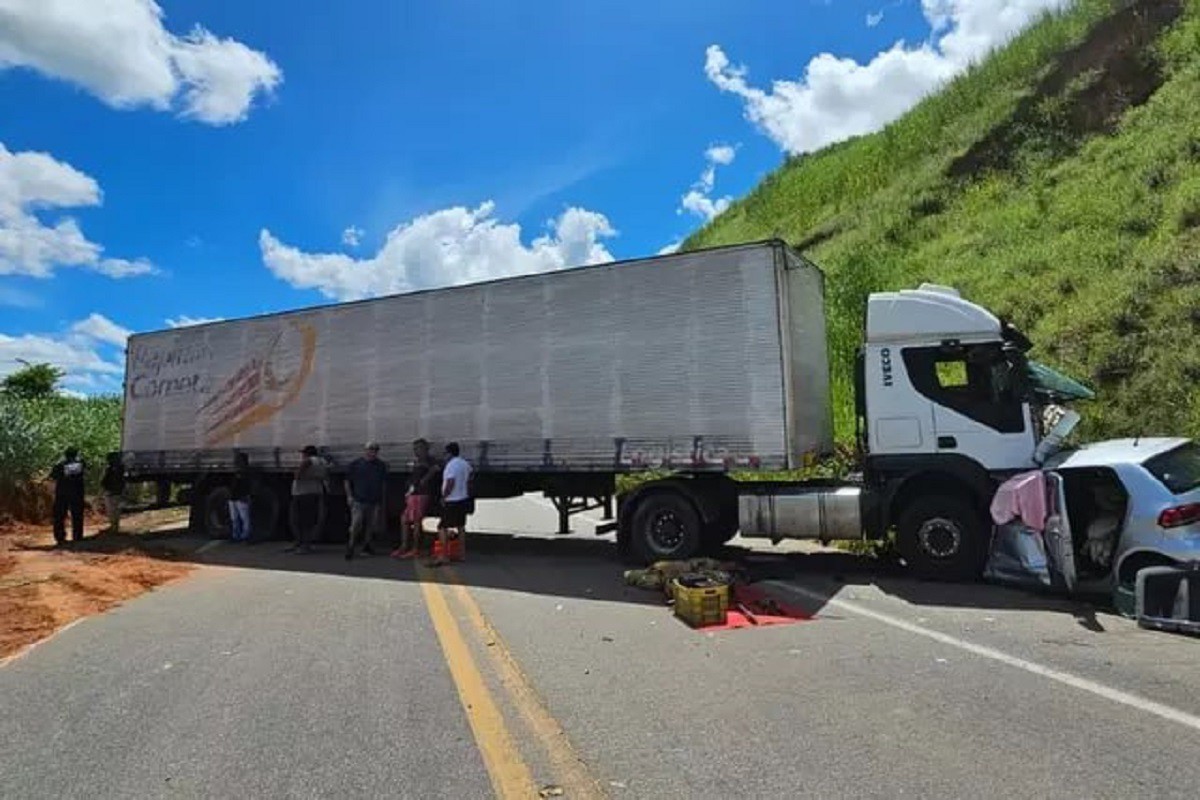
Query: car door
[(1060, 549)]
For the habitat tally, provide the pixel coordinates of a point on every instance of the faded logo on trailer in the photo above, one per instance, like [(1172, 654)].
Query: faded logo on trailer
[(263, 385)]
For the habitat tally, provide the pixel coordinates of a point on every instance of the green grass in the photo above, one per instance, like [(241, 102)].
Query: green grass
[(1087, 238)]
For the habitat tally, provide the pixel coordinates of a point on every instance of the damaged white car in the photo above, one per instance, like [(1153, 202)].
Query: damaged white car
[(1093, 517)]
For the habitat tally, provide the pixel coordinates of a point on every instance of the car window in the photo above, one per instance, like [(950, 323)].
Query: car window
[(1178, 469)]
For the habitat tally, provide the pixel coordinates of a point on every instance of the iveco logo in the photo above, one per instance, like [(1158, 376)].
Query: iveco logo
[(885, 361)]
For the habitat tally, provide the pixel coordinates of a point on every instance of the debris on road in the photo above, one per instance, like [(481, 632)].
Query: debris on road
[(714, 595)]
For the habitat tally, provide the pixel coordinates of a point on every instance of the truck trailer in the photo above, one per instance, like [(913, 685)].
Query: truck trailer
[(695, 367)]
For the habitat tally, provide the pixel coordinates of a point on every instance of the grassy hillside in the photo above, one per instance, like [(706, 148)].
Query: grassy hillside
[(1058, 183)]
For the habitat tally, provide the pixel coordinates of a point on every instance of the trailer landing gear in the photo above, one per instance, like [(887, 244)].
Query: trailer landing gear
[(566, 506)]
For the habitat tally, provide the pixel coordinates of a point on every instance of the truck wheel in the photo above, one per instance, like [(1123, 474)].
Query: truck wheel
[(264, 515), (665, 528), (941, 538), (216, 513)]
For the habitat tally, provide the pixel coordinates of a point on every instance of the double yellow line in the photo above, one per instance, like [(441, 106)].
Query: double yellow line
[(507, 768)]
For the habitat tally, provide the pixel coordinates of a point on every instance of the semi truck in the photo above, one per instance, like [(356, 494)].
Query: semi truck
[(694, 370)]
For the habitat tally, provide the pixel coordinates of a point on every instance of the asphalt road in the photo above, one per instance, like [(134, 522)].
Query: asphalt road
[(532, 666)]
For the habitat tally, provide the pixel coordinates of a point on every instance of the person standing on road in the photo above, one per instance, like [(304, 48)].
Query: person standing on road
[(422, 484), (68, 477), (307, 512), (456, 501), (366, 492), (239, 499), (113, 484)]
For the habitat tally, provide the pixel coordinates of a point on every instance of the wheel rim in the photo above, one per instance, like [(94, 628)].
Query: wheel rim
[(940, 537), (667, 531)]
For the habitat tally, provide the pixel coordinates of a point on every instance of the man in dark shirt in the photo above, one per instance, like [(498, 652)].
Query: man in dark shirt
[(113, 484), (422, 486), (366, 492), (68, 477)]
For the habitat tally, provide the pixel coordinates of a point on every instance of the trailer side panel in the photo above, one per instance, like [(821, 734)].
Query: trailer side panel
[(672, 361)]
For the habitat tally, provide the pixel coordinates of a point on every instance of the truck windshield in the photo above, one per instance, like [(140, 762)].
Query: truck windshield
[(1178, 469)]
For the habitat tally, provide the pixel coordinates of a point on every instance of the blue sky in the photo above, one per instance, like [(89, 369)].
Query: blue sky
[(261, 162)]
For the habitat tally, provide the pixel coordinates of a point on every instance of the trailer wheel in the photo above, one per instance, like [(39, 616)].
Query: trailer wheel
[(942, 538), (264, 514), (216, 513), (666, 527)]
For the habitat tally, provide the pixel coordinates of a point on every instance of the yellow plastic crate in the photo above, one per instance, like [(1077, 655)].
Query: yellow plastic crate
[(700, 606)]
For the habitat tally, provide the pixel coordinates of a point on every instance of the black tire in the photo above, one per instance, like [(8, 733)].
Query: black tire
[(265, 511), (215, 516), (665, 527), (942, 538)]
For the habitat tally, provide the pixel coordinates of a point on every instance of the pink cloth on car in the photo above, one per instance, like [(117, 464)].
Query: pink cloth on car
[(1022, 496)]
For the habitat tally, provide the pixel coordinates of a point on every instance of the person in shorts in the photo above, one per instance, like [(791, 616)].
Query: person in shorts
[(456, 500), (422, 485)]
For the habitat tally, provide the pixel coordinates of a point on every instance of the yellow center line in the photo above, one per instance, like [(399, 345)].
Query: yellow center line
[(510, 775), (571, 772)]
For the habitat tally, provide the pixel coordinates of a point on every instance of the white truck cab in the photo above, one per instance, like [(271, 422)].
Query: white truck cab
[(939, 381)]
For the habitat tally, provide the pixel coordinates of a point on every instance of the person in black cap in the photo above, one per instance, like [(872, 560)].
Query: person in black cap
[(308, 500), (68, 476)]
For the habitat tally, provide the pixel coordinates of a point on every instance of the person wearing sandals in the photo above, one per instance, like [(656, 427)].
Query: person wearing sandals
[(422, 485), (456, 501)]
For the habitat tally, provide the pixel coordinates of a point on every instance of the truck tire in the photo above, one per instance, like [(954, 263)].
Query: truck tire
[(665, 527), (215, 516), (942, 538), (265, 508)]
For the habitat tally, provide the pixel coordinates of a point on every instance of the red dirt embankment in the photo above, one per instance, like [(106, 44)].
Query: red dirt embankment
[(43, 588)]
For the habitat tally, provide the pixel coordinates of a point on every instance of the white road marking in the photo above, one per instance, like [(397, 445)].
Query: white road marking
[(1100, 690), (204, 548)]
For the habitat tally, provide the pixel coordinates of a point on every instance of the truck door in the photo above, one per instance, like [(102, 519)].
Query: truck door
[(1060, 549), (976, 411)]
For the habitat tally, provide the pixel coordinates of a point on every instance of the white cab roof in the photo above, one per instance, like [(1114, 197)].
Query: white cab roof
[(930, 313)]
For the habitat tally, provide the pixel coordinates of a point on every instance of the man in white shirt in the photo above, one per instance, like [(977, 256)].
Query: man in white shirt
[(456, 502)]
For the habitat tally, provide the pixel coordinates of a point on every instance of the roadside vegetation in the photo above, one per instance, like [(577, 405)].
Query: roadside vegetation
[(37, 422), (1058, 183)]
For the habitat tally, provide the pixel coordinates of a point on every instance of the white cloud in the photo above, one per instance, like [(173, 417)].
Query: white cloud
[(102, 329), (89, 351), (119, 51), (451, 246), (838, 98), (673, 247), (722, 154), (32, 184), (184, 321), (698, 199), (352, 236), (873, 20)]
